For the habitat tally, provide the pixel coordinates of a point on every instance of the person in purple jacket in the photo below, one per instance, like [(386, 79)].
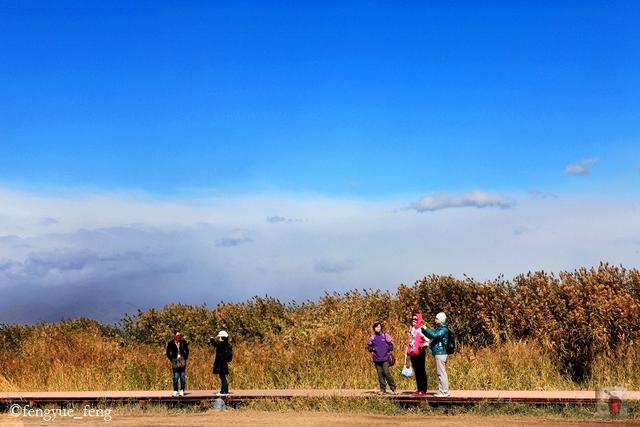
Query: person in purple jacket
[(380, 345)]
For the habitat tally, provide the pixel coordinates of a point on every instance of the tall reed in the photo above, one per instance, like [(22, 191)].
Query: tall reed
[(539, 331)]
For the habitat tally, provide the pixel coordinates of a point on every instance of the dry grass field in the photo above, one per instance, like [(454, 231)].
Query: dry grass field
[(575, 330)]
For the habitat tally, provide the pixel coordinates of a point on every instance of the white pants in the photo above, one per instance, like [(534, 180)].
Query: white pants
[(441, 370)]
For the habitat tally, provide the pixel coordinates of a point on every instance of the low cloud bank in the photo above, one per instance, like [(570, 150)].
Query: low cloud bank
[(104, 255)]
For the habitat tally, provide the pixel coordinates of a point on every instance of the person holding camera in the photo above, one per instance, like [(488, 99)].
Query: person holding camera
[(224, 355), (178, 353), (439, 343), (380, 346)]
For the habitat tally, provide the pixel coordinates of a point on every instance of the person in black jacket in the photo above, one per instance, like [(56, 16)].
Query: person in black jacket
[(178, 353), (221, 361)]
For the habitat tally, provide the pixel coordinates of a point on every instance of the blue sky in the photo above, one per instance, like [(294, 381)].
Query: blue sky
[(467, 113), (168, 98)]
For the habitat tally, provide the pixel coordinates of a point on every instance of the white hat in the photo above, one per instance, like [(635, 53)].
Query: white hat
[(223, 334), (441, 317)]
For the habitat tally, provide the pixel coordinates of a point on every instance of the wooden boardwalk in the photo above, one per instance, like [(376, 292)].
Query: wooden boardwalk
[(238, 396)]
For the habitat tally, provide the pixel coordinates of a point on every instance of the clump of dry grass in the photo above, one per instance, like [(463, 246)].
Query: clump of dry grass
[(539, 331)]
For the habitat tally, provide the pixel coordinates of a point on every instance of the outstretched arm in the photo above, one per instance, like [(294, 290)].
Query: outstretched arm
[(434, 335)]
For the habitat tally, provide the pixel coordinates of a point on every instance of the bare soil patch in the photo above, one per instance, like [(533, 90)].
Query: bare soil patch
[(281, 419)]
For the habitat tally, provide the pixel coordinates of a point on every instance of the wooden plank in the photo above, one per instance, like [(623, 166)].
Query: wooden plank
[(456, 396)]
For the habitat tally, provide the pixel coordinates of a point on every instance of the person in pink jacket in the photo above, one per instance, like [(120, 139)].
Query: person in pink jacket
[(416, 345)]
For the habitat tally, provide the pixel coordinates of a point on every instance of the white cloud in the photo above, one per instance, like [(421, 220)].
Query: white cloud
[(333, 265), (105, 252), (48, 221), (274, 219), (236, 240), (476, 199), (541, 194), (582, 168)]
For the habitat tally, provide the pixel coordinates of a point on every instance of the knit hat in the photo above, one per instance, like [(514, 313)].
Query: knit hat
[(441, 317), (223, 334)]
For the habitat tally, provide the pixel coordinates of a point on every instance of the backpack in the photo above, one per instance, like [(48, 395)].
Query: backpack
[(228, 357), (451, 343)]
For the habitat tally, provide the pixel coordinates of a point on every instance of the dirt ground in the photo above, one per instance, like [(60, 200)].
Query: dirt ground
[(281, 419)]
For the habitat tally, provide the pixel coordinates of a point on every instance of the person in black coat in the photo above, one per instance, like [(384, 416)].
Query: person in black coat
[(178, 353), (221, 361)]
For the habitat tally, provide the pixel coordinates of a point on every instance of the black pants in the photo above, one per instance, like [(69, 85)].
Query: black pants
[(384, 376), (417, 362), (224, 384)]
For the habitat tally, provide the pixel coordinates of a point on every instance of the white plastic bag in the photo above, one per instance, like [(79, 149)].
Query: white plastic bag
[(407, 371)]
